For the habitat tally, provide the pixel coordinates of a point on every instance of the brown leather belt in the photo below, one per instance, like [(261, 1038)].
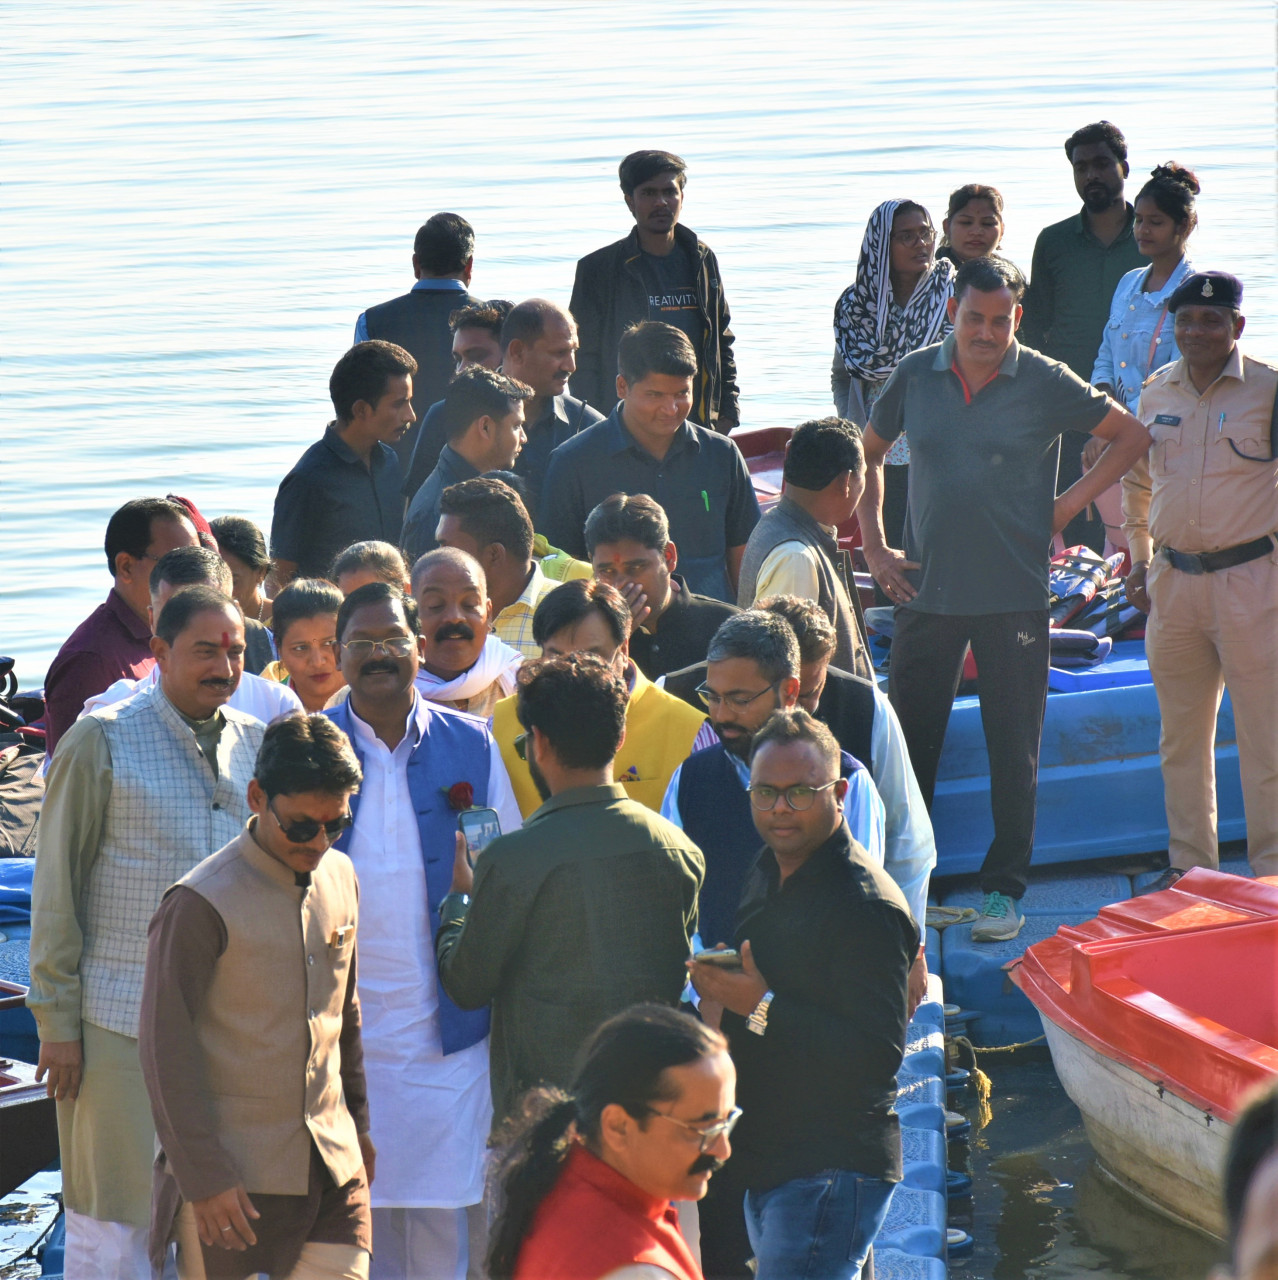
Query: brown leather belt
[(1198, 562)]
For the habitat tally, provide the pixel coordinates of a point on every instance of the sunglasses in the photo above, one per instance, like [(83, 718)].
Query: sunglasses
[(304, 830), (521, 746)]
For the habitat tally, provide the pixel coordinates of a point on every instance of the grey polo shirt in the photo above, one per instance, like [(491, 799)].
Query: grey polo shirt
[(982, 473), (702, 483)]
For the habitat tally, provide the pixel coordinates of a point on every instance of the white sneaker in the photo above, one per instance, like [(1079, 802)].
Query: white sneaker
[(1000, 919)]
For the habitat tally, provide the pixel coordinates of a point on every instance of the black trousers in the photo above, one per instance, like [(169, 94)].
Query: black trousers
[(896, 505), (1011, 651), (1086, 529)]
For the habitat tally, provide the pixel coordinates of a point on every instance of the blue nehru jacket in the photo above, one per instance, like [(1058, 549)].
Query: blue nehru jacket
[(453, 749)]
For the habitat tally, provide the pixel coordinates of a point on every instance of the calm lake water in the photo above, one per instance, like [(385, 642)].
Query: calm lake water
[(196, 206), (199, 199)]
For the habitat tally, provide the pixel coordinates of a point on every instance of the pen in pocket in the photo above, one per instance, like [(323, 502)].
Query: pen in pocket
[(1220, 425), (705, 497)]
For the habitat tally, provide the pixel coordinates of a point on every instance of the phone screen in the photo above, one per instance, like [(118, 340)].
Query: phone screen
[(480, 827)]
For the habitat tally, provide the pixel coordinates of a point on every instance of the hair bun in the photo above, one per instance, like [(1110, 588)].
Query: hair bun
[(1178, 174)]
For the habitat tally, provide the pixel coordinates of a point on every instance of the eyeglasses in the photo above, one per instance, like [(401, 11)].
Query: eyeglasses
[(304, 830), (521, 746), (798, 797), (394, 647), (737, 700), (711, 1133), (924, 235)]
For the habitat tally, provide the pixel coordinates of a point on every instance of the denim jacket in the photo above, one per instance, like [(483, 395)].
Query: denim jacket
[(1129, 352)]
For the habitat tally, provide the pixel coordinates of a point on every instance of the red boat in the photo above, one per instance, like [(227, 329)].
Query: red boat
[(1161, 1013)]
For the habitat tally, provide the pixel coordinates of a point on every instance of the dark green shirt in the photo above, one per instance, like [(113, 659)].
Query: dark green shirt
[(587, 909), (1072, 282), (982, 473)]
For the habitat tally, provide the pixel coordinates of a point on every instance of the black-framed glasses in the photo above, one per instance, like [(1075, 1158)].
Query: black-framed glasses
[(799, 797), (521, 746), (912, 237), (394, 647), (708, 1133), (737, 700), (304, 830)]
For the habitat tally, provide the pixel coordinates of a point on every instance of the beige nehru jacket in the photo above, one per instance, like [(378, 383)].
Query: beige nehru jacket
[(1193, 491), (270, 1025)]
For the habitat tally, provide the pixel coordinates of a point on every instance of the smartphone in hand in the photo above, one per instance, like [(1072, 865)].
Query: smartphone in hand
[(723, 958), (480, 827)]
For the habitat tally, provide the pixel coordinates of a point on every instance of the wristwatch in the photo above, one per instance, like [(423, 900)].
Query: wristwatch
[(758, 1020), (454, 904)]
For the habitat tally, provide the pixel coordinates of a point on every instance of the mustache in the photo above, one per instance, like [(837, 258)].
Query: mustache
[(217, 682), (454, 631), (706, 1163)]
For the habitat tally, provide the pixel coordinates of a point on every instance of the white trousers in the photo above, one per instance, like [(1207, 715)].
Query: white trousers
[(107, 1250), (429, 1244)]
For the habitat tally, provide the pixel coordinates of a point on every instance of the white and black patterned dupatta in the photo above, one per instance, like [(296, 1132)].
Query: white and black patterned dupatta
[(872, 337)]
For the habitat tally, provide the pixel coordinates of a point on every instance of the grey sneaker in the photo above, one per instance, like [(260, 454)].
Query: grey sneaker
[(1000, 919)]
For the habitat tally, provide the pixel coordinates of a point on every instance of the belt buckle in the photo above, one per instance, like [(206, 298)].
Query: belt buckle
[(1189, 562)]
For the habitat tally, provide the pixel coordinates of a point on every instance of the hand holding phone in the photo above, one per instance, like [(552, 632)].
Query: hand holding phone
[(480, 827), (720, 957)]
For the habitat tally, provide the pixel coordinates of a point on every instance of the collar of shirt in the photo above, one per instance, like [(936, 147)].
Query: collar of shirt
[(1180, 273), (587, 1167), (453, 467), (576, 796), (339, 447), (838, 848), (1233, 369), (1085, 232), (118, 606), (532, 592), (679, 598), (415, 726), (442, 286), (554, 410), (620, 440)]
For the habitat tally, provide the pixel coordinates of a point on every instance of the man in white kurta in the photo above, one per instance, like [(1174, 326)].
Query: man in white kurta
[(430, 1110)]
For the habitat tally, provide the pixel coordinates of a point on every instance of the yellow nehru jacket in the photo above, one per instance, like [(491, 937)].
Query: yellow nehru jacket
[(660, 729)]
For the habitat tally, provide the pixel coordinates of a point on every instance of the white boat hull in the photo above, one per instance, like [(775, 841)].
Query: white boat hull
[(1164, 1150)]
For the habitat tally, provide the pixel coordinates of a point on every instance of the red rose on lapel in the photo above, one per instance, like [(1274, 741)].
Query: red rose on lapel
[(461, 795)]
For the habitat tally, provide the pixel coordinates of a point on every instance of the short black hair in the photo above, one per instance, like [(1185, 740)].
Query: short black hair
[(1100, 131), (518, 483), (632, 517), (363, 373), (476, 392), (190, 567), (964, 195), (570, 602), (579, 703), (303, 753), (640, 166), (652, 346), (764, 638), (129, 529), (809, 622), (377, 593), (303, 598), (183, 605), (822, 450), (796, 725), (490, 315), (444, 245), (989, 275), (243, 539), (382, 558), (1253, 1139), (527, 321), (490, 511)]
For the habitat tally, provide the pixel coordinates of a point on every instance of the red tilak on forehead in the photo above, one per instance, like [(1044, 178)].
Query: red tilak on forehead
[(226, 639)]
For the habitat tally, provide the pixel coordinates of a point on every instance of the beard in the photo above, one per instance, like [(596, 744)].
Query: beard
[(735, 740), (539, 779)]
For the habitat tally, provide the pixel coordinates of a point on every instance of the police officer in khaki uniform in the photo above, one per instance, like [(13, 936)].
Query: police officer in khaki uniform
[(1200, 513)]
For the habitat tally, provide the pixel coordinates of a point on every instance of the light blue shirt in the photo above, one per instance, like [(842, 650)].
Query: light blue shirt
[(1125, 359), (452, 286)]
